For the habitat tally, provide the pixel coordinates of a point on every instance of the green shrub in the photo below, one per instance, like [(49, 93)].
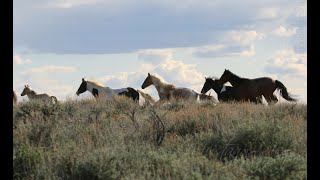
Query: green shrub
[(25, 160)]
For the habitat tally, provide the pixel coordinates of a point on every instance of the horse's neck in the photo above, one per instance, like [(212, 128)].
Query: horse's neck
[(236, 80), (217, 89), (161, 86), (32, 94)]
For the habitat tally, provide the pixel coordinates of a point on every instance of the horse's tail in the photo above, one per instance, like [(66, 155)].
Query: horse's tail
[(283, 91), (54, 99)]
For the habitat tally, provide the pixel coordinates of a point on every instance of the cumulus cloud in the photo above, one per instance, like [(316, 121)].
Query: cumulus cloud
[(288, 62), (162, 63), (19, 61), (284, 32)]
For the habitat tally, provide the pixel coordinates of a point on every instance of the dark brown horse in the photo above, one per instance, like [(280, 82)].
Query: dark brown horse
[(245, 88), (224, 93)]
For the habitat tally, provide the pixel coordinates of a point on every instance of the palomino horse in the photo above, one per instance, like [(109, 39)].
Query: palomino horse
[(168, 91), (15, 99), (99, 91), (32, 95), (224, 93), (250, 88)]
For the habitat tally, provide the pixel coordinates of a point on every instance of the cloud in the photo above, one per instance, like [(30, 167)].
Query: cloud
[(155, 56), (268, 13), (288, 62), (162, 63), (19, 61), (232, 43), (284, 32), (127, 26), (49, 79), (72, 3)]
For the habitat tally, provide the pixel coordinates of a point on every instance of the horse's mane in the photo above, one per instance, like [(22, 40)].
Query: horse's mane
[(32, 91), (160, 78), (236, 75), (95, 83), (213, 77)]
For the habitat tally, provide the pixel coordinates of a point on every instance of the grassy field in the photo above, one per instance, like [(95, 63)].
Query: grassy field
[(121, 140)]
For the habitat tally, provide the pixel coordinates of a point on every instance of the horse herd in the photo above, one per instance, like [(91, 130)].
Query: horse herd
[(242, 89)]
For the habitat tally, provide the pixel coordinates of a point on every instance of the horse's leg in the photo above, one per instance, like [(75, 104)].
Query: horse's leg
[(274, 99), (258, 99), (271, 99), (254, 100)]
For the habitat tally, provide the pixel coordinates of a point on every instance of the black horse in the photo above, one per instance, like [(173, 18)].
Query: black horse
[(246, 89), (224, 93)]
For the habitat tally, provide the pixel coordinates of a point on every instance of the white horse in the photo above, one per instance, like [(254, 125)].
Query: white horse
[(168, 91), (99, 91), (32, 95)]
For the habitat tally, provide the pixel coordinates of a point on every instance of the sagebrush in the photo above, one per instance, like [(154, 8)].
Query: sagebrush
[(118, 139)]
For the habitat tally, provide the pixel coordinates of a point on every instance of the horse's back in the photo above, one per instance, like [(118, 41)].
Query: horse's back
[(185, 93), (264, 83)]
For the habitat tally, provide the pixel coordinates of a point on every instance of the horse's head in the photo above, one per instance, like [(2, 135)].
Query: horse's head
[(147, 82), (207, 85), (226, 76), (26, 90), (82, 88)]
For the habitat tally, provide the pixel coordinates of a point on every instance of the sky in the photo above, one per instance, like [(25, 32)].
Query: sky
[(56, 43)]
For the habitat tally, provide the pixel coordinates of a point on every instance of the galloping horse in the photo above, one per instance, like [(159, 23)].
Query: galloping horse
[(15, 99), (250, 88), (32, 95), (99, 91), (224, 93), (168, 91)]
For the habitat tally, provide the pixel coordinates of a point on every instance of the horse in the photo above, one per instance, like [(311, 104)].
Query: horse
[(101, 92), (224, 92), (169, 92), (250, 88), (15, 99), (32, 95), (147, 97)]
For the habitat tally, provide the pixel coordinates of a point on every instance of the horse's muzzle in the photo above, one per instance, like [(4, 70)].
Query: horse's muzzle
[(77, 93)]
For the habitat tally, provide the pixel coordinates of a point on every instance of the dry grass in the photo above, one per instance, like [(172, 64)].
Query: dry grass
[(121, 140)]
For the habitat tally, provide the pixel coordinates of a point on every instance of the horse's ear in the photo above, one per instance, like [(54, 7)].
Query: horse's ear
[(82, 79), (148, 74)]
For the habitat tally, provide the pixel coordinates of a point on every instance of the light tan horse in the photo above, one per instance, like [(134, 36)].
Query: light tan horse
[(32, 95), (15, 99), (168, 91)]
